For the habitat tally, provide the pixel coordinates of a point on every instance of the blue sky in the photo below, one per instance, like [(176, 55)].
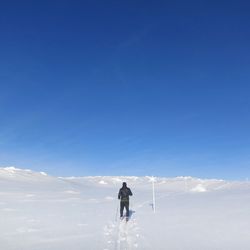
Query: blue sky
[(126, 87)]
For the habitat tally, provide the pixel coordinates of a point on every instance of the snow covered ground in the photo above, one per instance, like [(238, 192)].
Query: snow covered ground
[(41, 212)]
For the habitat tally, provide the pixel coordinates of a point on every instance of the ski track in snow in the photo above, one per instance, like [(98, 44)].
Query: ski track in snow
[(122, 235)]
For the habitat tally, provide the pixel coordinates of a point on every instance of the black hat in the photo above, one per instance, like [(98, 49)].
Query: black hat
[(124, 184)]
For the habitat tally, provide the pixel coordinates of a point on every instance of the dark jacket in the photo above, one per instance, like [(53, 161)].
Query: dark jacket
[(124, 194)]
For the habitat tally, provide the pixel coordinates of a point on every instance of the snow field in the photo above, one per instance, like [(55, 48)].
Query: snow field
[(40, 212)]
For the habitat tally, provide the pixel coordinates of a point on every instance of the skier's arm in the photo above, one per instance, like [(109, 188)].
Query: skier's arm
[(119, 195), (130, 193)]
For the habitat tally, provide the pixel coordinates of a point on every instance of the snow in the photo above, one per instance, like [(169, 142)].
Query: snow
[(199, 188), (40, 212), (102, 182)]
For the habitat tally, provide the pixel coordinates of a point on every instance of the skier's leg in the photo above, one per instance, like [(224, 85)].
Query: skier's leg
[(121, 208), (127, 209)]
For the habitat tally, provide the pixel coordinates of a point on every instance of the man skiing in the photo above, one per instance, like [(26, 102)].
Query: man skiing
[(123, 195)]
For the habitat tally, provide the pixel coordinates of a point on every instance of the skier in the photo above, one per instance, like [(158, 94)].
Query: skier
[(123, 195)]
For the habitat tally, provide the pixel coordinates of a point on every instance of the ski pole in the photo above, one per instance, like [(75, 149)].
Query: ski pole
[(116, 214)]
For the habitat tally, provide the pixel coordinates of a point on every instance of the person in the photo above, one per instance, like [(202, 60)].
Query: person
[(123, 196)]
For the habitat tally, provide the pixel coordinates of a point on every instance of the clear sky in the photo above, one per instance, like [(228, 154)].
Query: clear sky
[(126, 87)]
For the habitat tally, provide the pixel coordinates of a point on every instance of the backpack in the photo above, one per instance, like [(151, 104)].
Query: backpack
[(124, 193)]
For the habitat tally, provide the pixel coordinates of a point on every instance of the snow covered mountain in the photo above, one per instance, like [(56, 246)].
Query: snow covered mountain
[(41, 212)]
